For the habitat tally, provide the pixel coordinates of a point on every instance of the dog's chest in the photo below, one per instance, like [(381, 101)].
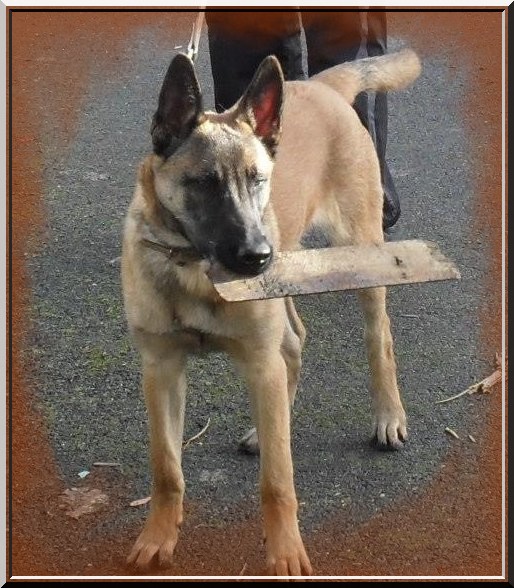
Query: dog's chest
[(201, 325)]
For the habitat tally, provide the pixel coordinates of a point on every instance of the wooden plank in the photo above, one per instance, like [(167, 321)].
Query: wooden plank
[(310, 271)]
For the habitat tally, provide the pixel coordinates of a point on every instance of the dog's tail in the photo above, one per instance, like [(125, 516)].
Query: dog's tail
[(378, 74)]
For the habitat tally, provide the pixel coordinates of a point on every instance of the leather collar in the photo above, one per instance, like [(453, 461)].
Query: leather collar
[(179, 255)]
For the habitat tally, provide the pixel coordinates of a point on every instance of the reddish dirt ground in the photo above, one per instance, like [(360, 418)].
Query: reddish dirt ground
[(453, 528)]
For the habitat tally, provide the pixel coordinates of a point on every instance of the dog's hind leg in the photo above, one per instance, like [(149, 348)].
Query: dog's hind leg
[(389, 420), (164, 386), (389, 426), (295, 320), (358, 226), (292, 345)]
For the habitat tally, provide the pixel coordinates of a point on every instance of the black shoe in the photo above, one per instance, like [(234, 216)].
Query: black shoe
[(391, 210)]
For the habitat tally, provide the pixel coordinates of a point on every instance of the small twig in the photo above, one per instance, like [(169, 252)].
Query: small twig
[(106, 464), (471, 438), (482, 387), (451, 432), (198, 435), (470, 390), (141, 501), (243, 570), (409, 315)]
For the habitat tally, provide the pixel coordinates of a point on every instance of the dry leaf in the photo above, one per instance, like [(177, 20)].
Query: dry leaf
[(81, 501)]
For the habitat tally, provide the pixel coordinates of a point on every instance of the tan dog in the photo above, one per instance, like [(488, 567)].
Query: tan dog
[(204, 197)]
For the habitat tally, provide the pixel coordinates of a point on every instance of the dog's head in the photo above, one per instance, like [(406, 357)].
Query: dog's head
[(216, 168)]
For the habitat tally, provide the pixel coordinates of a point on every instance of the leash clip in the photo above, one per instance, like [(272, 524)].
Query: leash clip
[(194, 41)]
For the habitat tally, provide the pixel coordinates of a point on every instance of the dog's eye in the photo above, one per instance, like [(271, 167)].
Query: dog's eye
[(255, 178)]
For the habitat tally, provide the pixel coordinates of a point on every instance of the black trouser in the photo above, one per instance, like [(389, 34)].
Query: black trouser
[(239, 41)]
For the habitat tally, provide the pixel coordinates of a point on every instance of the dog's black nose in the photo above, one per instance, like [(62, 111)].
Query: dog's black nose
[(249, 259), (255, 257)]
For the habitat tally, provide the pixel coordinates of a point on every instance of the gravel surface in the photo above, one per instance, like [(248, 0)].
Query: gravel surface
[(89, 382)]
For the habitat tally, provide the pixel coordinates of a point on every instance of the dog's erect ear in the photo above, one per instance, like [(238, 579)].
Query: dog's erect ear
[(180, 106), (261, 105)]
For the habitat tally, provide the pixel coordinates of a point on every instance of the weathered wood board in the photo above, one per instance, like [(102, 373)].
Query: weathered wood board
[(311, 271)]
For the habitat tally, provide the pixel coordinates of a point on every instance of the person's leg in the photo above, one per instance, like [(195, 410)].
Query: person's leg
[(335, 37), (240, 40)]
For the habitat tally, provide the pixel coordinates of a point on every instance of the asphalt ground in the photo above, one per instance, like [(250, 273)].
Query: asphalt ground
[(85, 372)]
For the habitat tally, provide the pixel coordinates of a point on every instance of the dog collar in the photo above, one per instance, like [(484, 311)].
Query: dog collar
[(179, 255)]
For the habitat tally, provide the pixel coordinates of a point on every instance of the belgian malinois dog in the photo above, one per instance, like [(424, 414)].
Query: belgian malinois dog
[(233, 188)]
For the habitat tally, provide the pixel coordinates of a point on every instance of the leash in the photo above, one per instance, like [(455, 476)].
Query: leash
[(182, 255), (194, 41)]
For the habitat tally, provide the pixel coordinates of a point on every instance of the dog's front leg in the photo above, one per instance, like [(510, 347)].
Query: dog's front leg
[(164, 385), (266, 374)]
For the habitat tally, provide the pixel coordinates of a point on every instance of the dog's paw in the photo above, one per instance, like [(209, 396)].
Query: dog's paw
[(249, 443), (156, 544), (289, 560), (390, 429)]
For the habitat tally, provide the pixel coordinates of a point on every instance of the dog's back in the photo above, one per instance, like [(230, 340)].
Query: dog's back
[(326, 164)]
